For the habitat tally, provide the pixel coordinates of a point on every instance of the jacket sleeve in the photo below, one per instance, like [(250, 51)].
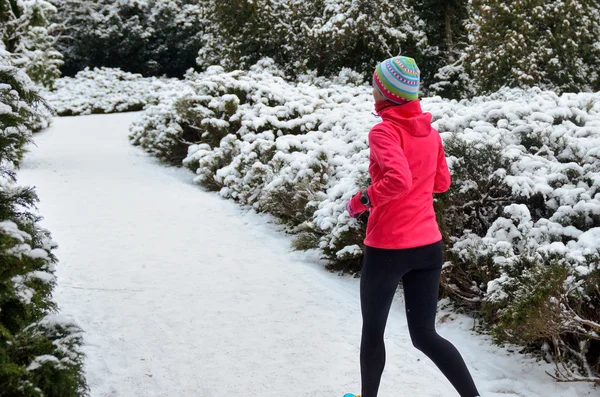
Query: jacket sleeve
[(442, 175), (397, 178)]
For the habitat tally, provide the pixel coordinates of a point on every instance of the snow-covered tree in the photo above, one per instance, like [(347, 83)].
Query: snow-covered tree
[(8, 12), (452, 81), (324, 35), (360, 33), (241, 32), (28, 35), (39, 351), (444, 25), (103, 33), (552, 44), (153, 37), (36, 50), (72, 17), (175, 29)]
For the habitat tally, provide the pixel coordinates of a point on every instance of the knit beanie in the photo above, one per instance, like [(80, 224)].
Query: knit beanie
[(398, 79)]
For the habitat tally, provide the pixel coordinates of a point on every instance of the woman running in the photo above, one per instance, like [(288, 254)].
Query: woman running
[(403, 240)]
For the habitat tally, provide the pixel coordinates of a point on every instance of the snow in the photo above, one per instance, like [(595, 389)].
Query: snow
[(351, 250), (4, 109), (12, 229), (590, 239), (56, 320), (37, 253), (183, 293), (41, 360), (26, 293), (43, 276), (23, 292)]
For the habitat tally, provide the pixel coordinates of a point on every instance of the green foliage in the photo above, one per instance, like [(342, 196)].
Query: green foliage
[(519, 239), (452, 81), (39, 355), (208, 166), (42, 62), (529, 311), (206, 119), (464, 48), (294, 203), (43, 361), (349, 263)]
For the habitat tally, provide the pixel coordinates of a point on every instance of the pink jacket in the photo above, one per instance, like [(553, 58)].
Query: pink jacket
[(407, 166)]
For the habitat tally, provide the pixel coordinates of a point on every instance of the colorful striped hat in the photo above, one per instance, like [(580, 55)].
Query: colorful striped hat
[(398, 79)]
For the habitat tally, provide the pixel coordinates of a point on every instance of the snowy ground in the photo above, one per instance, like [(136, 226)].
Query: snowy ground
[(183, 293)]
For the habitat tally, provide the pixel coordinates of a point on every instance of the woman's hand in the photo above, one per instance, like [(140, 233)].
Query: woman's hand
[(354, 207)]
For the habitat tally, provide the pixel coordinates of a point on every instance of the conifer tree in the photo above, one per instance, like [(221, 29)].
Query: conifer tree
[(153, 38), (39, 353), (239, 33), (322, 35), (444, 25), (28, 35), (360, 33), (552, 44)]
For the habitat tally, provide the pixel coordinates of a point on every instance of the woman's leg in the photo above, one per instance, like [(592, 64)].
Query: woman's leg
[(421, 297), (379, 280)]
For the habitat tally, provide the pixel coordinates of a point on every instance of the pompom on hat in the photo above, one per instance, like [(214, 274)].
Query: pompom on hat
[(398, 79)]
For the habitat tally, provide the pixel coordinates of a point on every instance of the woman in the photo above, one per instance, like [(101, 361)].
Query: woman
[(403, 241)]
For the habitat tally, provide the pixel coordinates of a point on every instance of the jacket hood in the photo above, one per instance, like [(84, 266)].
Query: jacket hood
[(409, 117)]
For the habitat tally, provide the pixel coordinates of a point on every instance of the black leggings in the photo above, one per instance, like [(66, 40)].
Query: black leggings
[(419, 269)]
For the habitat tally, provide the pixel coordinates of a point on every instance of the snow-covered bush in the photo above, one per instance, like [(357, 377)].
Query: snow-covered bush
[(39, 351), (107, 90), (521, 220)]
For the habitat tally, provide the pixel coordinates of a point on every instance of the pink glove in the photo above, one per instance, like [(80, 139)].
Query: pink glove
[(354, 207)]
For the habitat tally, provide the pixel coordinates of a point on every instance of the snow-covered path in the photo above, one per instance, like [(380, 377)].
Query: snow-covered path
[(184, 294)]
